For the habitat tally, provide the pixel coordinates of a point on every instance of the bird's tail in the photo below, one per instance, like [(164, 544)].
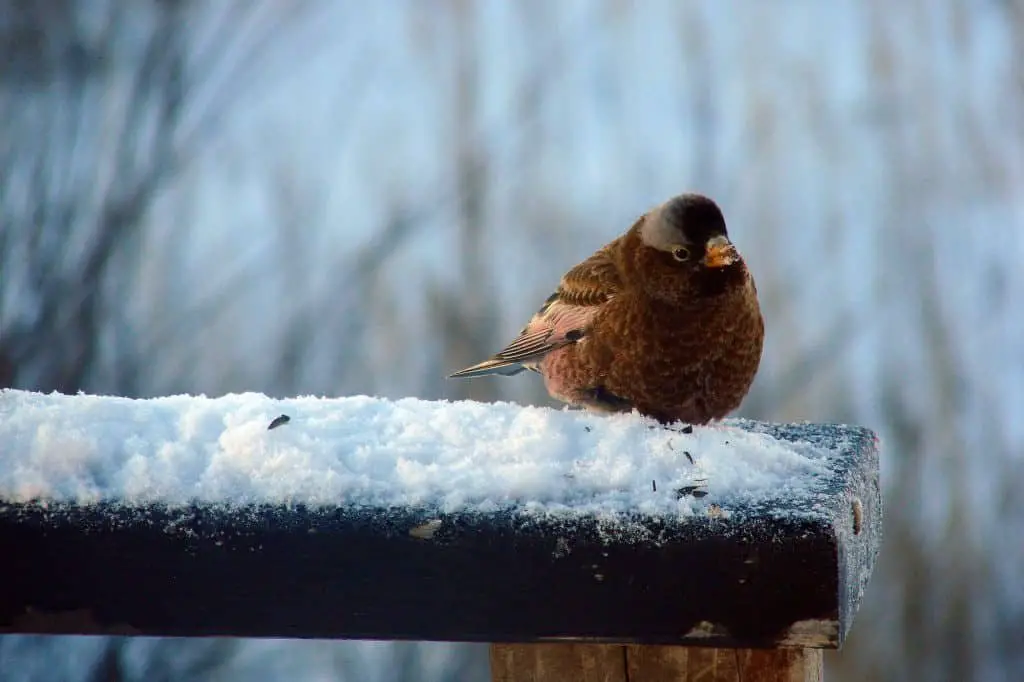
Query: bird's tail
[(493, 366)]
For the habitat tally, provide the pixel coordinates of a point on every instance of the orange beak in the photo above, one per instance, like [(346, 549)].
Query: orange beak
[(719, 252)]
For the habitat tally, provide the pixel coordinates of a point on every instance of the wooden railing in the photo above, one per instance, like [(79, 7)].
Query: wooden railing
[(752, 593)]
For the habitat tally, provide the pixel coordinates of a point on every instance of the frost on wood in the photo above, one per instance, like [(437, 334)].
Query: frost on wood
[(455, 501)]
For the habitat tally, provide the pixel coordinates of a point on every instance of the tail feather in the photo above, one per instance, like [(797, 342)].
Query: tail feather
[(492, 366)]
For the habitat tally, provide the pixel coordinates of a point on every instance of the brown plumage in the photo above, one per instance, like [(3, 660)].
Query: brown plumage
[(664, 320)]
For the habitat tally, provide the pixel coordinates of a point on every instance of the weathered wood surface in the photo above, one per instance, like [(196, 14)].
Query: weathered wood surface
[(786, 572), (639, 663)]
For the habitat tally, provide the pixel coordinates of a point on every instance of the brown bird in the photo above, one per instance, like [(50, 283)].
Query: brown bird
[(664, 320)]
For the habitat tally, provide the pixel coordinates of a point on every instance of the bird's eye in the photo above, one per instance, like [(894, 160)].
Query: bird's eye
[(681, 254)]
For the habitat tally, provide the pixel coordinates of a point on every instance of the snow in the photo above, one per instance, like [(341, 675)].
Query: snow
[(373, 452)]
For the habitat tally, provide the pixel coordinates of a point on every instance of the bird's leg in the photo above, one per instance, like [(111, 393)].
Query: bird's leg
[(601, 399)]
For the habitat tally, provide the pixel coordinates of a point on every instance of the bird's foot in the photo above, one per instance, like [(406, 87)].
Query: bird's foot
[(601, 399)]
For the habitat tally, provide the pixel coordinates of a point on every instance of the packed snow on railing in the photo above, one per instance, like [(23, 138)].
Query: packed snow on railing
[(363, 451)]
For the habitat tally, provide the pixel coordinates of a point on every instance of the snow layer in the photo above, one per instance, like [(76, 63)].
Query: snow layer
[(364, 451)]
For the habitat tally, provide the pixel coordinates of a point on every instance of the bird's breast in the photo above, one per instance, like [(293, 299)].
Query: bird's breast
[(692, 362)]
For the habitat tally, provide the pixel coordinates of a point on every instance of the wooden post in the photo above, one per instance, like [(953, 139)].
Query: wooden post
[(637, 663)]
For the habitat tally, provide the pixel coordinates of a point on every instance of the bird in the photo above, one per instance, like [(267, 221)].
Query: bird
[(664, 321)]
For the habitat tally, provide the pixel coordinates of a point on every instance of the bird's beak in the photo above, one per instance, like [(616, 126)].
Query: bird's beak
[(719, 252)]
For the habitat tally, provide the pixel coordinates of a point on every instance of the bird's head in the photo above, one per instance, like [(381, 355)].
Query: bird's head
[(685, 250)]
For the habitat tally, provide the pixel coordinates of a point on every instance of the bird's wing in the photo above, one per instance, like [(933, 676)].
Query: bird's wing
[(592, 282), (564, 318)]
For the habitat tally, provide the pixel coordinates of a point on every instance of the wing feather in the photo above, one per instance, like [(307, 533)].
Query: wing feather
[(565, 317)]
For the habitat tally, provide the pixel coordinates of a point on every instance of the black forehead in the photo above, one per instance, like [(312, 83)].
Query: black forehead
[(696, 216)]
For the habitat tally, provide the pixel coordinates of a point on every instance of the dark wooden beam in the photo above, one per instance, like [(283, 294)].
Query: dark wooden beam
[(781, 572)]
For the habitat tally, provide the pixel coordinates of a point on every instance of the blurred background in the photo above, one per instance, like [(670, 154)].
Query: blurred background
[(334, 198)]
